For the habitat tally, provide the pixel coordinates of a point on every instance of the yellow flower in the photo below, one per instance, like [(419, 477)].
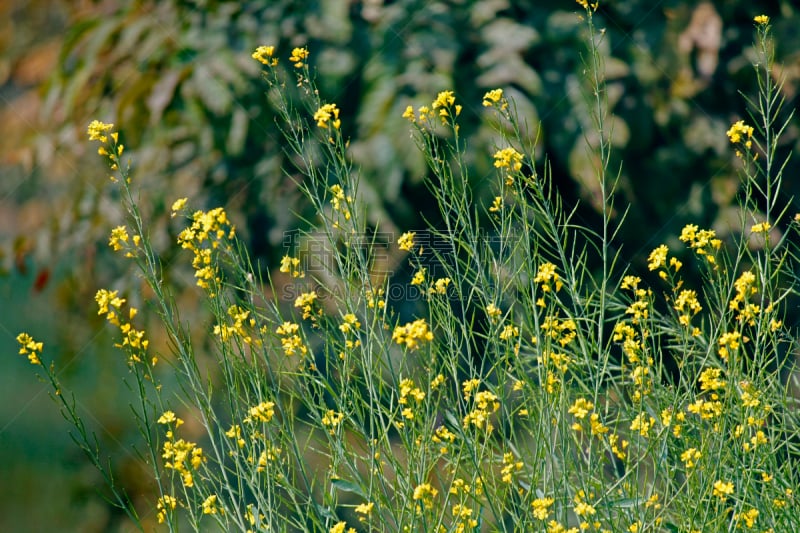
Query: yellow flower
[(586, 5), (763, 227), (426, 493), (210, 505), (298, 55), (364, 508), (541, 506), (412, 333), (722, 489), (492, 97), (657, 258), (264, 54), (738, 131), (761, 19), (97, 131), (119, 235), (324, 114), (406, 241), (581, 408), (30, 347), (508, 158)]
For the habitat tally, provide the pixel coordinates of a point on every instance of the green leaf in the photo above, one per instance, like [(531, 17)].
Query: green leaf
[(348, 486)]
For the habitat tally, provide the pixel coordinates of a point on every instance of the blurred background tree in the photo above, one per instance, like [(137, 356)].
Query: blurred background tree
[(177, 79)]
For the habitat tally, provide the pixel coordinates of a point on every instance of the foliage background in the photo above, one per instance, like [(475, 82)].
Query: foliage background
[(177, 78)]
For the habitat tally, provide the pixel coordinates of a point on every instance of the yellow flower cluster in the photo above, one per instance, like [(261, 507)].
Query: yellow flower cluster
[(545, 276), (298, 56), (406, 241), (761, 19), (180, 455), (210, 505), (328, 113), (337, 199), (588, 5), (412, 334), (444, 106), (240, 317), (425, 493), (331, 419), (265, 55), (291, 265), (99, 131), (306, 302), (687, 305), (30, 347), (339, 527), (541, 507), (165, 504), (741, 132), (485, 404), (207, 231), (495, 96), (745, 287), (133, 340), (290, 339), (510, 467), (509, 159), (263, 412), (119, 240)]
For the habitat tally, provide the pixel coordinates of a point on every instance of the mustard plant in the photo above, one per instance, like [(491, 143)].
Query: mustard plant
[(528, 387)]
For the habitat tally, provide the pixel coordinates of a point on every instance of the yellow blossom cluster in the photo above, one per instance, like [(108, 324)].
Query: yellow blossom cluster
[(702, 241), (328, 114), (495, 97), (412, 334), (331, 419), (31, 348), (299, 55), (266, 56), (210, 505), (745, 287), (687, 306), (306, 301), (761, 19), (119, 240), (240, 318), (180, 455), (444, 106), (510, 467), (547, 278), (375, 298), (485, 403), (425, 493), (164, 505), (741, 132), (541, 507), (291, 341), (340, 201), (563, 332), (203, 237), (291, 265), (510, 160), (133, 340), (406, 241)]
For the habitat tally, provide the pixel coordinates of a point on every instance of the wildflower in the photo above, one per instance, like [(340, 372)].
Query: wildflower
[(748, 517), (630, 282), (710, 379), (687, 305), (364, 508), (541, 507), (408, 114), (581, 507), (587, 5), (485, 404), (262, 412), (412, 333), (419, 277), (493, 311), (642, 424), (546, 274), (332, 419), (690, 457), (264, 54), (306, 302), (739, 131), (290, 339), (762, 227), (164, 503), (444, 101), (406, 241), (425, 493), (30, 347), (97, 131), (497, 204), (581, 408), (210, 505), (298, 55), (657, 258), (291, 265), (324, 114), (168, 417), (728, 341), (761, 19), (440, 286), (494, 96), (509, 467), (178, 206), (119, 235), (508, 158), (722, 489), (509, 332)]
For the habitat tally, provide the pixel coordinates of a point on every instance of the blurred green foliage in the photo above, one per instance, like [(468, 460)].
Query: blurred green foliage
[(177, 78)]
